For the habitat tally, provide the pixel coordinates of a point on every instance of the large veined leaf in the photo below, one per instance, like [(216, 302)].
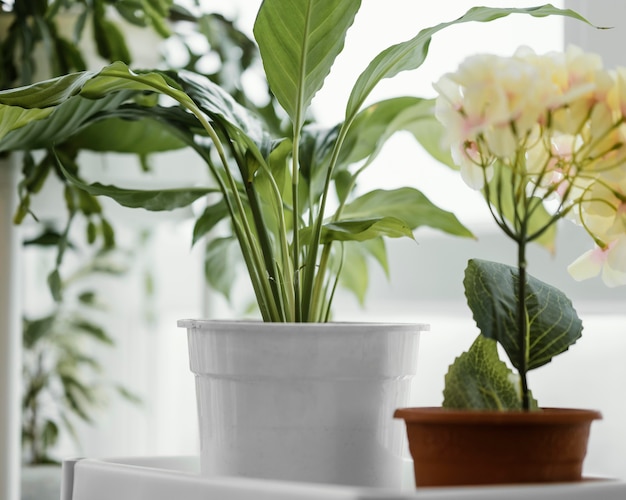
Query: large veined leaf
[(479, 379), (553, 325), (299, 41), (407, 204), (411, 54)]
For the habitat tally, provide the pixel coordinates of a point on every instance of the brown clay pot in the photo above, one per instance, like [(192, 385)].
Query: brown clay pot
[(464, 447)]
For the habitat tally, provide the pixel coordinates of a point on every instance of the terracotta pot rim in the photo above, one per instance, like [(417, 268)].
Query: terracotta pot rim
[(437, 414)]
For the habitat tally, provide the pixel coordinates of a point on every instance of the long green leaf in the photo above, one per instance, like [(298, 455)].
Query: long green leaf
[(364, 229), (354, 272), (37, 128), (553, 325), (155, 200), (219, 264), (373, 126), (211, 216), (411, 54), (128, 136), (407, 204), (299, 41)]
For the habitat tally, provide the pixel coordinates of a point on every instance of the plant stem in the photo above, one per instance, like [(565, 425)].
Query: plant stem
[(295, 180), (522, 321)]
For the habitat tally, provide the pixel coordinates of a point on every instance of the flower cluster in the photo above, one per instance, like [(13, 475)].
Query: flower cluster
[(555, 123)]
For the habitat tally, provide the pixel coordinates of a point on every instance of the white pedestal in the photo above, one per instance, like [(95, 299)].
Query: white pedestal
[(10, 336), (164, 478)]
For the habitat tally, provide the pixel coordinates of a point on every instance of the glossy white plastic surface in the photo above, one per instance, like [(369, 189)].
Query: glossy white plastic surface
[(303, 402), (168, 478)]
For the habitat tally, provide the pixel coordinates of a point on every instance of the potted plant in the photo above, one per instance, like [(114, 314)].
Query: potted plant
[(291, 205), (542, 136)]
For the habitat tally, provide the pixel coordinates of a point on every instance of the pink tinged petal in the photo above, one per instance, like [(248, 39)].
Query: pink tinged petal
[(588, 265)]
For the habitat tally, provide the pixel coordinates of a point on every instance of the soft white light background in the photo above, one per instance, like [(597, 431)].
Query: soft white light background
[(426, 278)]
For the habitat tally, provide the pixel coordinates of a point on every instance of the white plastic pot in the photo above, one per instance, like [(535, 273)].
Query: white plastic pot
[(303, 402)]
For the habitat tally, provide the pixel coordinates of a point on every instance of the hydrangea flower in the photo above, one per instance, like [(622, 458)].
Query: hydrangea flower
[(557, 122)]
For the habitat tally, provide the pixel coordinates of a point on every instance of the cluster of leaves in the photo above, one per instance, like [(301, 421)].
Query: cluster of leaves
[(62, 377), (276, 192), (478, 378)]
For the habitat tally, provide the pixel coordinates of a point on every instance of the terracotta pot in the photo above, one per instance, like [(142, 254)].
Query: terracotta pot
[(464, 447)]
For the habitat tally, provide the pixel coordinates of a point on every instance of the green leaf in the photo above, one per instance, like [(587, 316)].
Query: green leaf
[(108, 234), (219, 265), (407, 204), (478, 379), (299, 42), (77, 396), (155, 200), (363, 229), (411, 54), (56, 285), (50, 434), (41, 128), (92, 232), (92, 330), (429, 132), (34, 330), (88, 298), (375, 124), (211, 216), (128, 395), (355, 268), (354, 272), (553, 325), (47, 238), (126, 136), (376, 248)]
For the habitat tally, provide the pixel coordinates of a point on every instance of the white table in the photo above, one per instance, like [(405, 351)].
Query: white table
[(165, 478)]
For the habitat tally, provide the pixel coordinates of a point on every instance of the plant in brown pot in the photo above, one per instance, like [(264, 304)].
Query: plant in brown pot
[(543, 137)]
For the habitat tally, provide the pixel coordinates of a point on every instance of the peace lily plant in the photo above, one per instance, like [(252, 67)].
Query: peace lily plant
[(291, 201), (544, 138)]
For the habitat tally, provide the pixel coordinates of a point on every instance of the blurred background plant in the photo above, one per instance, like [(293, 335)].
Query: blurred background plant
[(64, 381)]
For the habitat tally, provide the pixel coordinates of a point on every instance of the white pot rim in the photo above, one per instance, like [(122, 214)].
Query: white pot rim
[(287, 327)]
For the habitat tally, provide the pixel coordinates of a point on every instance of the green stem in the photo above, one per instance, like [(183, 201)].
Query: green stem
[(522, 322), (295, 179), (311, 262)]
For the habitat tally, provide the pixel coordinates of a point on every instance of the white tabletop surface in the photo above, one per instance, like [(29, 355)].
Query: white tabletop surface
[(166, 478)]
